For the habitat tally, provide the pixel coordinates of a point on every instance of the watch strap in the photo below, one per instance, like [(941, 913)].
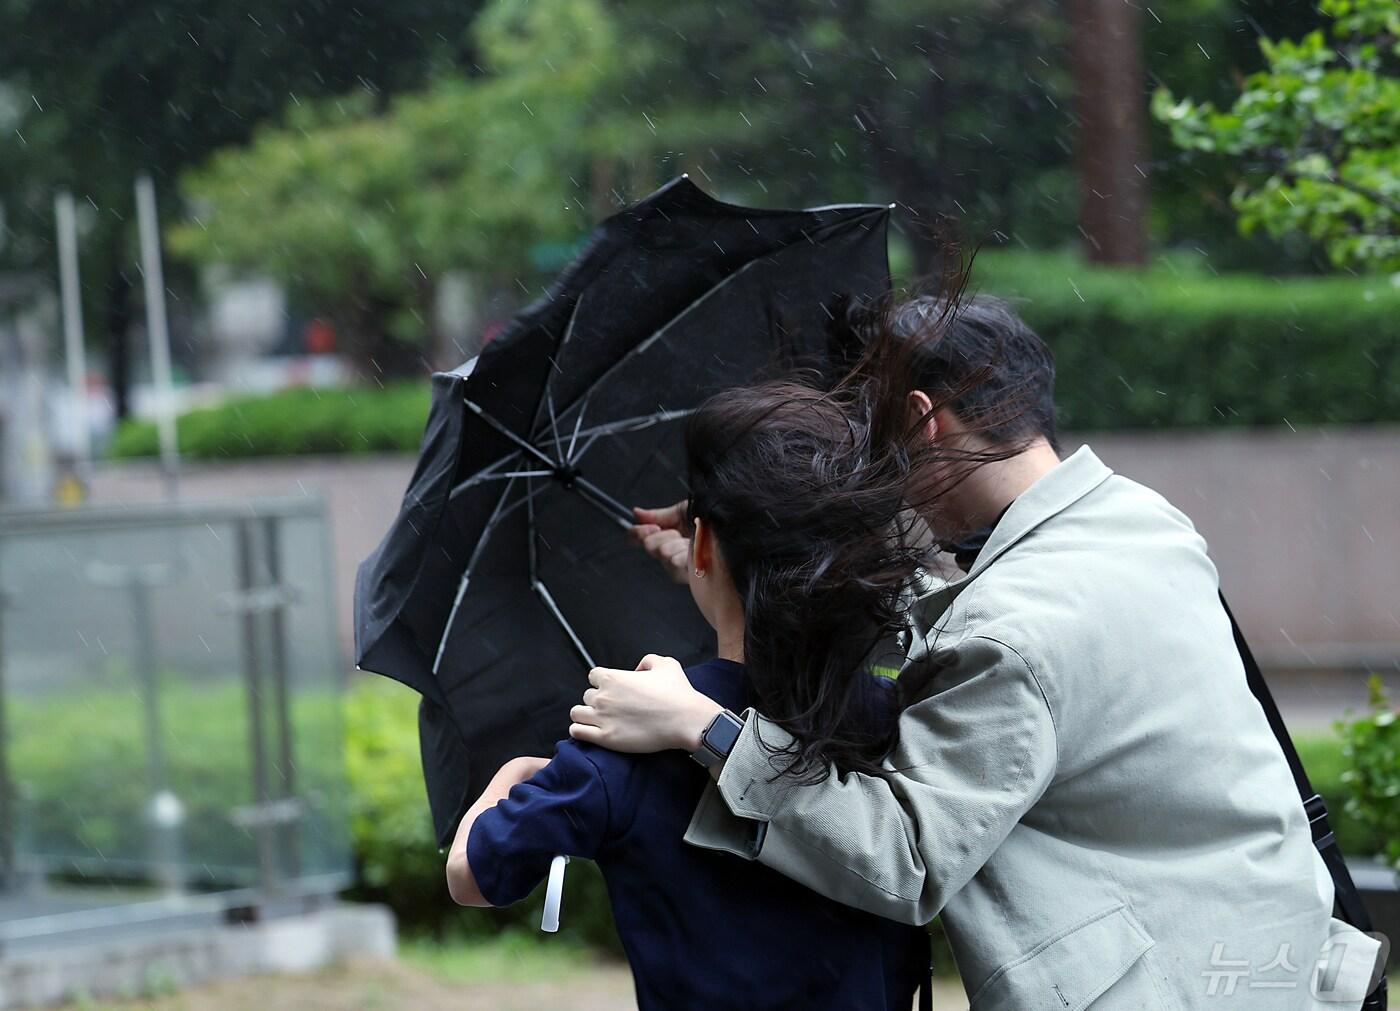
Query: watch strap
[(718, 739)]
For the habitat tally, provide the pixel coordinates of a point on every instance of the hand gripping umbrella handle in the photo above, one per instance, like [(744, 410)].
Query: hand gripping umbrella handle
[(553, 893)]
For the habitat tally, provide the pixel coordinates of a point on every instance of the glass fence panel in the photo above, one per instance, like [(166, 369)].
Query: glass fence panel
[(171, 694)]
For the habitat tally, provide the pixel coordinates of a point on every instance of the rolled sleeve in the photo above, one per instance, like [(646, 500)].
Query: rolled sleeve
[(561, 810), (715, 827), (750, 780), (971, 760)]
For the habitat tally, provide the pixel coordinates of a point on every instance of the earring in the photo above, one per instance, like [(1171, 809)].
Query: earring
[(699, 573)]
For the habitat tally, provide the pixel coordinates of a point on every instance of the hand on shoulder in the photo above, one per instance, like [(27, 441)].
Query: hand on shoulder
[(652, 708)]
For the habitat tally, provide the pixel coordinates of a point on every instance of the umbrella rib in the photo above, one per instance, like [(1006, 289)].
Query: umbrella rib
[(530, 530), (660, 332), (496, 465), (636, 424), (589, 492), (554, 421), (592, 435), (523, 444), (604, 503), (548, 599), (549, 380), (501, 512), (870, 210), (451, 618), (578, 423), (482, 478), (587, 445)]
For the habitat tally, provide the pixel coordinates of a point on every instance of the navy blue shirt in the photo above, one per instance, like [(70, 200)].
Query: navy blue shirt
[(702, 929)]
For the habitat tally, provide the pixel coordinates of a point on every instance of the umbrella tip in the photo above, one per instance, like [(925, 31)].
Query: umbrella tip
[(893, 205), (685, 175)]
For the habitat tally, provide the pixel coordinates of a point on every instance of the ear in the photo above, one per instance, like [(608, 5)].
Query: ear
[(922, 414), (702, 547)]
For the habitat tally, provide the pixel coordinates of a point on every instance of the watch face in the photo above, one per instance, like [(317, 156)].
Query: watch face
[(723, 733)]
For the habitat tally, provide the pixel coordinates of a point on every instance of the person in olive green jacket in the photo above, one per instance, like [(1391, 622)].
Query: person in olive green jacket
[(1083, 787)]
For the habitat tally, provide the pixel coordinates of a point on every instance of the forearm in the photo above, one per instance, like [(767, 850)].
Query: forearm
[(967, 767), (461, 882), (855, 839)]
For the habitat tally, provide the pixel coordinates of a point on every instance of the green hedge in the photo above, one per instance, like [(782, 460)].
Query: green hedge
[(1177, 347), (1324, 757), (1169, 347), (293, 422), (392, 834), (1371, 754)]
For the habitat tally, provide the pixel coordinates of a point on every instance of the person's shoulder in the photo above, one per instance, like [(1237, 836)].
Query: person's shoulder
[(1122, 507), (627, 782), (721, 680), (577, 760)]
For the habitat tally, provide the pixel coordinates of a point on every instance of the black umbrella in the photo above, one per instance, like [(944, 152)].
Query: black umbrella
[(506, 574)]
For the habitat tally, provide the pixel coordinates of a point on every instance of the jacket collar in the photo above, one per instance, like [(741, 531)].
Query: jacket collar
[(1063, 486), (1070, 481)]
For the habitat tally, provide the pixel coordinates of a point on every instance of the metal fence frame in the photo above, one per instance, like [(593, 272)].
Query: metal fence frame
[(259, 605)]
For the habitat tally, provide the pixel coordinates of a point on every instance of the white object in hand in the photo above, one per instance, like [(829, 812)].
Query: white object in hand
[(553, 893)]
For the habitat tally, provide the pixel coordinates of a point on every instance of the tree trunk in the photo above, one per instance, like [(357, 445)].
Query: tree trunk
[(1110, 146), (923, 193), (375, 355), (117, 322)]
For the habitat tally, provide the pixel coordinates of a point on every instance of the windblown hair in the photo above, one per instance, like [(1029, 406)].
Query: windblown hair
[(968, 354), (806, 507), (810, 490), (1013, 401)]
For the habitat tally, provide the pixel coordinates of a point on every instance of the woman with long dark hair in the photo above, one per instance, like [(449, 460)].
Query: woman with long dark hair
[(800, 559), (796, 505)]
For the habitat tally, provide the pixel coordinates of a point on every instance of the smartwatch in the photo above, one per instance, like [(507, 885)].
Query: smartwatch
[(718, 739)]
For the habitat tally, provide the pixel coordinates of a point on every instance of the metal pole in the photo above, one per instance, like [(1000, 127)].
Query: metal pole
[(166, 813), (142, 625), (157, 329), (253, 674), (7, 814), (277, 633), (74, 352)]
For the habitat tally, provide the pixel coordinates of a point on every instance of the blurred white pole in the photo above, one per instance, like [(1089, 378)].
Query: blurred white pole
[(157, 328), (75, 354)]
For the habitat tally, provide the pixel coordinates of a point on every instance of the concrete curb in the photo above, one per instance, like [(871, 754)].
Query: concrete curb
[(118, 965)]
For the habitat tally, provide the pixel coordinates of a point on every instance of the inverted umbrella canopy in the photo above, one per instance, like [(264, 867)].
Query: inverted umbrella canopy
[(506, 574)]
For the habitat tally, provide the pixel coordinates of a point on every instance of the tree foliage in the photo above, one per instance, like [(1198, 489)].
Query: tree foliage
[(94, 93), (539, 119), (362, 211), (1316, 134), (1372, 749)]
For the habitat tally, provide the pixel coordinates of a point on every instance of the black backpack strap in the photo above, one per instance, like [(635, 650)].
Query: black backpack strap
[(926, 984), (1348, 899)]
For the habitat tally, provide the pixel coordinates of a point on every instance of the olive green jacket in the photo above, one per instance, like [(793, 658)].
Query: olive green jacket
[(1084, 786)]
